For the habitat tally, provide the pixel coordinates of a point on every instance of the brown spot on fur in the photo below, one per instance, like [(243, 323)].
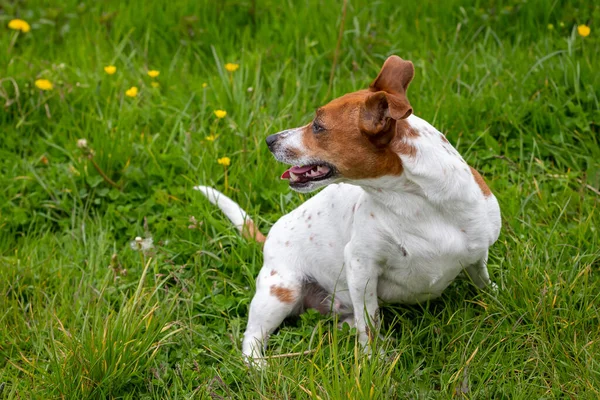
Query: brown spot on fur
[(273, 272), (403, 250), (284, 295), (250, 231), (287, 243), (444, 139), (463, 231), (372, 215), (403, 145), (481, 183)]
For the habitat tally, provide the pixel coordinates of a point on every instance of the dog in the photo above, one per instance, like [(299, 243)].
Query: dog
[(401, 217)]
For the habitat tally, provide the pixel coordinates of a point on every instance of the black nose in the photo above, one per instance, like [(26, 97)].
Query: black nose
[(271, 139)]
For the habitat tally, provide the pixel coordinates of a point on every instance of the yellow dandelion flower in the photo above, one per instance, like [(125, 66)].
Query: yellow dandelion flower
[(19, 25), (211, 138), (204, 85), (44, 84), (132, 91), (153, 73), (220, 113), (583, 30), (231, 67), (224, 161), (550, 27), (110, 69), (155, 84)]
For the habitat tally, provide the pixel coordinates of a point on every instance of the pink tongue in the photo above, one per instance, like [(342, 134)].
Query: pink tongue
[(295, 170), (300, 170)]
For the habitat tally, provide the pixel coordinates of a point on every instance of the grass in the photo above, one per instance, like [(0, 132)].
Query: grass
[(84, 315)]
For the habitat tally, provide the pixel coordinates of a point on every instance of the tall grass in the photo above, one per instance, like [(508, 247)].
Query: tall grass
[(85, 315)]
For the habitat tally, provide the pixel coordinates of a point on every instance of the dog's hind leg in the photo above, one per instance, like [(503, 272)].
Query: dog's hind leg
[(278, 295)]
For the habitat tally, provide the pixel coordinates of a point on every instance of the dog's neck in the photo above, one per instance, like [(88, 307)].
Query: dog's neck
[(389, 189)]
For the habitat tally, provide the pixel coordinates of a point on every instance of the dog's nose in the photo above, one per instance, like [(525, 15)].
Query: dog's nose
[(271, 139)]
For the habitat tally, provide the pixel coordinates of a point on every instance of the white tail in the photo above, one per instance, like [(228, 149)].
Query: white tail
[(234, 212)]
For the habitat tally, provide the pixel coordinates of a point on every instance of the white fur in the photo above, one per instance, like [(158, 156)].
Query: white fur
[(397, 239), (229, 207)]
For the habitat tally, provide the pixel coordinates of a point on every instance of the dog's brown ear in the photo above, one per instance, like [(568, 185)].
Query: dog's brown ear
[(375, 119), (393, 79), (375, 114)]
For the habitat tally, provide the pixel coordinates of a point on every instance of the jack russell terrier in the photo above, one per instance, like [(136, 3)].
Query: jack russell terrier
[(402, 216)]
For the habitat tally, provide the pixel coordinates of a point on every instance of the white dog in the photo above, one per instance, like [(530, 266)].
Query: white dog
[(402, 216)]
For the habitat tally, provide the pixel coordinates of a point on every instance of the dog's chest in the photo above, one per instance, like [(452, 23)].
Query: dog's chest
[(419, 251)]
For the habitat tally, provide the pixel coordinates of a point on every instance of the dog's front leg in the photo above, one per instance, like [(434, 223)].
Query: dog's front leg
[(362, 274), (277, 295)]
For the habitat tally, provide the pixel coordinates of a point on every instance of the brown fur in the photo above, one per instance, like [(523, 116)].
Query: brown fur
[(284, 295), (481, 183), (250, 231), (364, 130)]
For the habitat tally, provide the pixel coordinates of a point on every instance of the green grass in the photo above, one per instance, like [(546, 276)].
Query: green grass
[(519, 100)]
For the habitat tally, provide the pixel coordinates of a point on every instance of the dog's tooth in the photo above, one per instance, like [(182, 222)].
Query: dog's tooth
[(293, 176)]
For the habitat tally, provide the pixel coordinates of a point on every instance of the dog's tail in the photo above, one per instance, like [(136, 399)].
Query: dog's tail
[(234, 212)]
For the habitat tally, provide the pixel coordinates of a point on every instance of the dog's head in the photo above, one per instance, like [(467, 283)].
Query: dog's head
[(352, 137)]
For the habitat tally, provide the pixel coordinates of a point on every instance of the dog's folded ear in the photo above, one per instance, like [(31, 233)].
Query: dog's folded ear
[(379, 109), (376, 116)]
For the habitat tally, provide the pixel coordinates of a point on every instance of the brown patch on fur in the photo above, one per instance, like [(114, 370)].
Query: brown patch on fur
[(273, 272), (404, 134), (284, 295), (481, 183), (250, 231), (363, 132), (444, 139), (353, 152), (287, 243), (344, 145)]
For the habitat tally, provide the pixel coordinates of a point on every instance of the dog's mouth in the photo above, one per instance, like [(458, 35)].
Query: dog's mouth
[(300, 175)]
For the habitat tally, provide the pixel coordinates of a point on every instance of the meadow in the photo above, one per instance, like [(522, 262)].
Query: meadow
[(88, 164)]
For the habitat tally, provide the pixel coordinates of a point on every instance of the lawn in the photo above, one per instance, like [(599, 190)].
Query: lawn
[(88, 312)]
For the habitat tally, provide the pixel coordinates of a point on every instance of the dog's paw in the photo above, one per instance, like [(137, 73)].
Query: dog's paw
[(258, 363)]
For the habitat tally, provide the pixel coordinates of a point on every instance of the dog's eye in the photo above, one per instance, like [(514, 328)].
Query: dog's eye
[(317, 128)]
